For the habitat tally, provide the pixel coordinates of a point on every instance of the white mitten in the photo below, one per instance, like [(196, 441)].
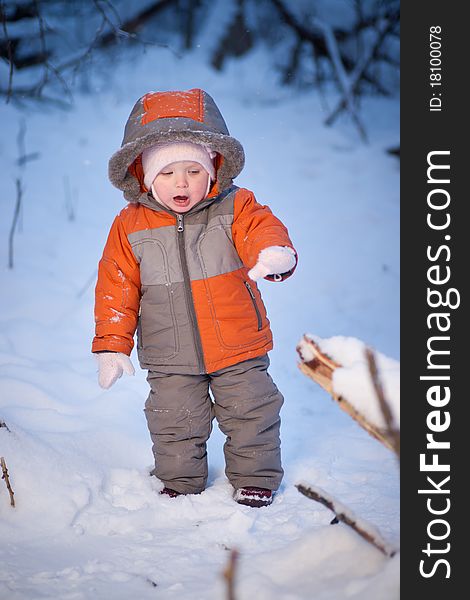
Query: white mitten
[(273, 260), (111, 366)]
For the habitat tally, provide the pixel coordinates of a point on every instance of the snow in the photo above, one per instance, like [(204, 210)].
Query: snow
[(353, 381), (89, 522)]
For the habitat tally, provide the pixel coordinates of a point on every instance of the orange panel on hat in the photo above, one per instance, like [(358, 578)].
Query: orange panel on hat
[(162, 105)]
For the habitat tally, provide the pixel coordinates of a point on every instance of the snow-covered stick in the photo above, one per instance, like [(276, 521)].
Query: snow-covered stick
[(320, 367), (393, 433), (345, 515), (7, 481), (229, 574)]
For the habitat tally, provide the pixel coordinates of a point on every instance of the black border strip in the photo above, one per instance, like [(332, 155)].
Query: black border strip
[(434, 568)]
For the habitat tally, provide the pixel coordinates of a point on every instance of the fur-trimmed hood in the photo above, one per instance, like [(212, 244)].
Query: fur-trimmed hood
[(173, 117)]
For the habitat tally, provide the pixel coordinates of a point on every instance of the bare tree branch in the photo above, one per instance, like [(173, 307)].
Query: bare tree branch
[(19, 95), (21, 161), (116, 30), (16, 214), (237, 39), (361, 68), (341, 75), (291, 69), (49, 67), (53, 59), (6, 478), (104, 14), (131, 26), (316, 39)]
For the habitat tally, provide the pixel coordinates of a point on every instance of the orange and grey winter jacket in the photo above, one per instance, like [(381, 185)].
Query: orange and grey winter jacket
[(181, 280)]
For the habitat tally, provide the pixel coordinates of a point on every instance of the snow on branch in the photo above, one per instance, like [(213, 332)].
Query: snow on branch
[(364, 385), (346, 515)]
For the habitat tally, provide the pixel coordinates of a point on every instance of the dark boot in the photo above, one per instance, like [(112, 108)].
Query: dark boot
[(169, 492), (253, 496)]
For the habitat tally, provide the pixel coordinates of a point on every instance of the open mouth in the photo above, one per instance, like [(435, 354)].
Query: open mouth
[(181, 200)]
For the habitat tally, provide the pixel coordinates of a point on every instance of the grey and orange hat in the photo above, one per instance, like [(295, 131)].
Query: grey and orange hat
[(179, 116)]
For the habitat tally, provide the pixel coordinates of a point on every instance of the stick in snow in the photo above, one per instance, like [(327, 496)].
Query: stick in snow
[(342, 513), (7, 481), (229, 574)]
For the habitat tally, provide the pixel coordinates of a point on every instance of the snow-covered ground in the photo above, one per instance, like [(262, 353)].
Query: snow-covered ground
[(89, 522)]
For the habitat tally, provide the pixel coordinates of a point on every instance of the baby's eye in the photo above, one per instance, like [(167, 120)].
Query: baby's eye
[(194, 171), (166, 172)]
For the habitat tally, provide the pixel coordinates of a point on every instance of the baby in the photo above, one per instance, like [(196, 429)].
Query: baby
[(180, 266)]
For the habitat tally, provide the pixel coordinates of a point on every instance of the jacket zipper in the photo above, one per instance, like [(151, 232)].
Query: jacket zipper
[(189, 295), (253, 299)]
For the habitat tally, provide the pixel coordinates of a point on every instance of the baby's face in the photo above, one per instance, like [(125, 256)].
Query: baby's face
[(181, 185)]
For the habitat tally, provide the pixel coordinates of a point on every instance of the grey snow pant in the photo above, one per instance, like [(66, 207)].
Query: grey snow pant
[(247, 403)]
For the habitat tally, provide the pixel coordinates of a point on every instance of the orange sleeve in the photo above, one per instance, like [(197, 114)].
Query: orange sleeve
[(117, 294), (255, 228)]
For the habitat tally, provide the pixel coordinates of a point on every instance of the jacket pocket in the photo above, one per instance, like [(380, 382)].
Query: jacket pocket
[(238, 316), (157, 329), (255, 306)]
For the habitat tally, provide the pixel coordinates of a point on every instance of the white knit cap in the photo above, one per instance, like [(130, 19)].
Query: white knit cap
[(156, 158)]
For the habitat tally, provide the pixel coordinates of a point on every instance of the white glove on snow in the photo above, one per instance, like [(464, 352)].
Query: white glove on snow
[(273, 260), (111, 366)]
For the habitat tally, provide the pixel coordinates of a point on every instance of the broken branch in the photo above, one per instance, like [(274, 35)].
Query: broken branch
[(320, 368), (345, 515)]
